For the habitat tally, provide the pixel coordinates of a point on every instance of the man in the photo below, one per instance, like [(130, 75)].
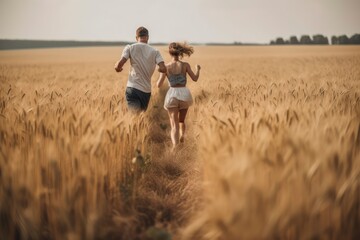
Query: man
[(143, 60)]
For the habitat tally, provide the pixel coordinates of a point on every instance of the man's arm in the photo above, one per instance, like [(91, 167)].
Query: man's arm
[(119, 64), (162, 67)]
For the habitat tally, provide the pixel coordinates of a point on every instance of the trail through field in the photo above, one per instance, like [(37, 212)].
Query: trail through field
[(272, 147), (169, 192)]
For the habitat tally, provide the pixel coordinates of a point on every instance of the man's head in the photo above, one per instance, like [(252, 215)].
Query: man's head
[(142, 35)]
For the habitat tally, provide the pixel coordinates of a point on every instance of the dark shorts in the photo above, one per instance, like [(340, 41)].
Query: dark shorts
[(136, 99)]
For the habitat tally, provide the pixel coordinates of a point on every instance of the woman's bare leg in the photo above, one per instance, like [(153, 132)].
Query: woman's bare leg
[(182, 115), (174, 120)]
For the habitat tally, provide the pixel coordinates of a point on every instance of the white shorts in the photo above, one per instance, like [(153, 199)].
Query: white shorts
[(178, 97)]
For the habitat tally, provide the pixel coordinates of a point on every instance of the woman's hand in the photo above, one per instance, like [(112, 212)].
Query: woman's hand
[(160, 80), (197, 67)]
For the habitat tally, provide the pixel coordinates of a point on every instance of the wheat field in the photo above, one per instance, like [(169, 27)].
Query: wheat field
[(272, 149)]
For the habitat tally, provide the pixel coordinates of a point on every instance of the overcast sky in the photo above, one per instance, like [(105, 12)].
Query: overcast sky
[(168, 20)]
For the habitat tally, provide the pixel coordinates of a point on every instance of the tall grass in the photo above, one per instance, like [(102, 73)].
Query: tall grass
[(280, 150), (271, 152), (66, 152)]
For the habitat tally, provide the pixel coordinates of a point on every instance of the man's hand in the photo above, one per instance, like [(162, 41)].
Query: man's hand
[(162, 67), (119, 64), (117, 67)]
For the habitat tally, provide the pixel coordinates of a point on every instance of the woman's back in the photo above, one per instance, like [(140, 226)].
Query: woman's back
[(176, 73), (178, 98)]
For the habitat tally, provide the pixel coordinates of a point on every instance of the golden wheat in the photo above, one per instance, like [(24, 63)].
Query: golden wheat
[(272, 147)]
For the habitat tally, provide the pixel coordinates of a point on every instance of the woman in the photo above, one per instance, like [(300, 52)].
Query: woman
[(178, 99)]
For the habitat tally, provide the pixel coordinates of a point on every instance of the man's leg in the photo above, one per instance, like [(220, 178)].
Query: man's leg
[(144, 99), (137, 100), (132, 99)]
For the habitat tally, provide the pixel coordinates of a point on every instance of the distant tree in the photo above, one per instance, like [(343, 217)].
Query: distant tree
[(343, 39), (355, 39), (280, 41), (326, 41), (320, 39), (294, 40), (334, 40), (305, 39)]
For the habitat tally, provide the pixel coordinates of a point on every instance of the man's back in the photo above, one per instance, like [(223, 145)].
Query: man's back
[(143, 59)]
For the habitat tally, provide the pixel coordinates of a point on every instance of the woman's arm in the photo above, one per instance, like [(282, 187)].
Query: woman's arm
[(194, 76), (161, 79)]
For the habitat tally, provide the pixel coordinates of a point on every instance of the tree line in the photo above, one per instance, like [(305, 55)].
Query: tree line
[(317, 39)]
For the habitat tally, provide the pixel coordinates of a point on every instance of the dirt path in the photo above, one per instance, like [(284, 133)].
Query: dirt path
[(169, 191)]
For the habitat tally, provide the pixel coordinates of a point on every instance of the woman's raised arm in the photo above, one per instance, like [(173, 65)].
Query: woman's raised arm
[(194, 76)]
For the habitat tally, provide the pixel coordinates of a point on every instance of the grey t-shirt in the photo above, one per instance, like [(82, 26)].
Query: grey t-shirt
[(143, 60)]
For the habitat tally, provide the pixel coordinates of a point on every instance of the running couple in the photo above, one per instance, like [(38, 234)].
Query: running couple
[(143, 61)]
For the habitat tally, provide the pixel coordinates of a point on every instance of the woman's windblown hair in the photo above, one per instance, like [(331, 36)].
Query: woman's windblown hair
[(180, 49)]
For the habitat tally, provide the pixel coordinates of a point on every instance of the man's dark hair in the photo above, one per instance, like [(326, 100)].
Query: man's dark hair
[(142, 32)]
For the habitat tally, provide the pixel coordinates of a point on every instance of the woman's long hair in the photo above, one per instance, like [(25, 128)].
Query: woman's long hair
[(180, 49)]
